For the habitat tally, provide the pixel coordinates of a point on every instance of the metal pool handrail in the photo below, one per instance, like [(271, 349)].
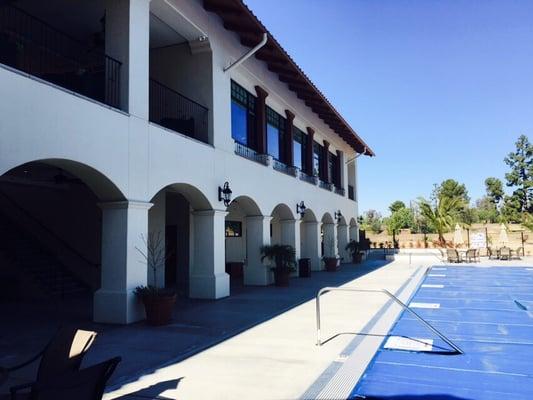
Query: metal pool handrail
[(389, 294)]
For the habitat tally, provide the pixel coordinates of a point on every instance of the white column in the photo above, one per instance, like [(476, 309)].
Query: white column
[(156, 227), (257, 235), (207, 276), (311, 244), (330, 240), (342, 238), (123, 267), (290, 234), (127, 40)]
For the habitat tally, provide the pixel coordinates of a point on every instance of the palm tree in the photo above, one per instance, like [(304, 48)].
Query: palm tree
[(441, 216), (284, 256)]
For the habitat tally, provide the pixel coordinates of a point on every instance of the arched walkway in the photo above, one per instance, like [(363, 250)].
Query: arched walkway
[(310, 239), (285, 229), (247, 229), (184, 223), (62, 206)]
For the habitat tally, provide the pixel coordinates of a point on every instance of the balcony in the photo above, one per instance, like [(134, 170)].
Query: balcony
[(340, 191), (325, 185), (308, 178), (246, 152), (32, 46), (282, 167), (176, 112)]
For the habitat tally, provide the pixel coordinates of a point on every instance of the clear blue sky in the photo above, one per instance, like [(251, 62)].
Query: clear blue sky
[(438, 88)]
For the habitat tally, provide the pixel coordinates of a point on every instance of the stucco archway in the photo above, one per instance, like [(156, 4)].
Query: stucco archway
[(53, 206)]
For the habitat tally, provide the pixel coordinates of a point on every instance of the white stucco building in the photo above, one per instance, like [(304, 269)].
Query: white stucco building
[(121, 117)]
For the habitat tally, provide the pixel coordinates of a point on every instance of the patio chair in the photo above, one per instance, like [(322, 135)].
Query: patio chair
[(85, 384), (505, 253), (519, 252), (492, 254), (471, 255), (453, 256), (64, 353)]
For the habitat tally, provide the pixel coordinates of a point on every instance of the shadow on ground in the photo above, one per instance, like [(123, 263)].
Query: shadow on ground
[(196, 326)]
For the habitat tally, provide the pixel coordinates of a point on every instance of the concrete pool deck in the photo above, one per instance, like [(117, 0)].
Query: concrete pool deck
[(259, 343), (277, 359)]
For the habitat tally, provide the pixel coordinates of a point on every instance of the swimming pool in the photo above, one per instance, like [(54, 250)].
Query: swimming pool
[(487, 312)]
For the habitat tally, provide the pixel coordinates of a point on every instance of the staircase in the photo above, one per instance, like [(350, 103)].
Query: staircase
[(26, 253)]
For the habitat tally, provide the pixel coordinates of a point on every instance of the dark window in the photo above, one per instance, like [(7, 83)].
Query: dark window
[(332, 169), (242, 114), (299, 146), (275, 135), (233, 229), (351, 192), (317, 159)]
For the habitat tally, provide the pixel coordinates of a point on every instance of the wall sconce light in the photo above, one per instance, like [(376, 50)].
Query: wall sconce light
[(224, 194), (338, 215), (300, 209)]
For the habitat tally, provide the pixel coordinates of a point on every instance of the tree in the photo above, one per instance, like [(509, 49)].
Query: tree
[(512, 208), (372, 221), (486, 210), (397, 205), (521, 176), (494, 189), (400, 219), (441, 216), (453, 190)]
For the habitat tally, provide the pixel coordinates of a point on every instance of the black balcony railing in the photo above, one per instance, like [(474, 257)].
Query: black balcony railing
[(340, 191), (282, 167), (174, 111), (307, 178), (251, 154), (351, 192), (324, 185), (32, 46)]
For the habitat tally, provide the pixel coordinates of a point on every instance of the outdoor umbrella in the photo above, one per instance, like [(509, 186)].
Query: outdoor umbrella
[(458, 235), (504, 240)]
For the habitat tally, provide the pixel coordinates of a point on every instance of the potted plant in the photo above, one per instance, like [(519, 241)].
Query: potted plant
[(331, 263), (158, 302), (284, 258), (353, 248)]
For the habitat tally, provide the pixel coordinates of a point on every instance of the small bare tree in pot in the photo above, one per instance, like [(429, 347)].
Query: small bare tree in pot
[(354, 249), (158, 302), (332, 262), (284, 258)]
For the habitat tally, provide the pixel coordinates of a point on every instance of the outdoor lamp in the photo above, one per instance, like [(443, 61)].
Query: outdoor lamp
[(224, 194), (338, 215), (300, 209)]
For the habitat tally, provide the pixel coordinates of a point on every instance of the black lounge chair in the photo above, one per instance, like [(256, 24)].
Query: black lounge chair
[(85, 384), (63, 354)]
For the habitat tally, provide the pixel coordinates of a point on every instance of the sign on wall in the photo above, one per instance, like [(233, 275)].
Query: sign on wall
[(478, 240)]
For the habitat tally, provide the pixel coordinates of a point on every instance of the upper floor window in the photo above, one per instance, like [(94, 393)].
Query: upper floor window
[(317, 159), (242, 114), (299, 145), (333, 172), (275, 134)]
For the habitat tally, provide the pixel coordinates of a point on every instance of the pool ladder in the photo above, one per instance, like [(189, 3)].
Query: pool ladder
[(392, 297)]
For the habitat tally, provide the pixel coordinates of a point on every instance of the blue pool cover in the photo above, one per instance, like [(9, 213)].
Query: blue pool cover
[(488, 313)]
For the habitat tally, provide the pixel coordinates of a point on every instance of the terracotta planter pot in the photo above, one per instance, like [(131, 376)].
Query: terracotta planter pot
[(357, 258), (332, 264), (281, 277), (159, 309)]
